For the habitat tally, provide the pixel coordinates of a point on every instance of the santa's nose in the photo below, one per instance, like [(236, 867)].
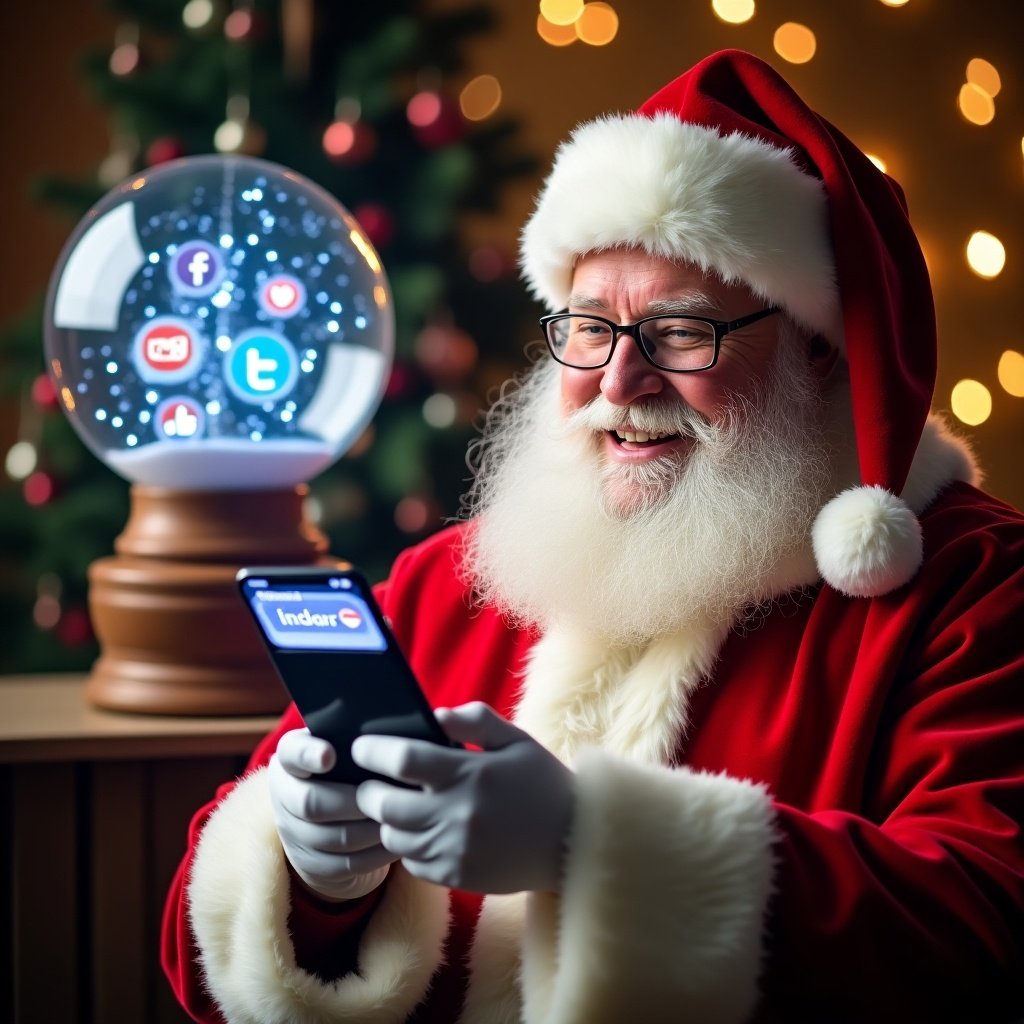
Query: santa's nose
[(628, 376)]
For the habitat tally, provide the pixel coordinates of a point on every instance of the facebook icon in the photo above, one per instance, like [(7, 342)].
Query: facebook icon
[(196, 269)]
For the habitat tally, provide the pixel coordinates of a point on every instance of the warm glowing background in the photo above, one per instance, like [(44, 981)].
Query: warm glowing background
[(932, 88)]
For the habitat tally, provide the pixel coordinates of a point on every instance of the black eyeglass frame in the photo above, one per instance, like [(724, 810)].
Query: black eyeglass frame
[(720, 328)]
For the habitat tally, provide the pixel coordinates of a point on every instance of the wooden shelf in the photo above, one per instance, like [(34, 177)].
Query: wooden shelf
[(47, 718)]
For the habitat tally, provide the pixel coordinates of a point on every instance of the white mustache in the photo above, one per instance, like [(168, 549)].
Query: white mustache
[(651, 417)]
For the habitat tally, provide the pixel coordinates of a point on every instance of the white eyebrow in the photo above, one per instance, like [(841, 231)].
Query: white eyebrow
[(697, 302)]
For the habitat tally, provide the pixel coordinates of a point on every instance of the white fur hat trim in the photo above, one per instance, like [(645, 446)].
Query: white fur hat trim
[(867, 542), (731, 204)]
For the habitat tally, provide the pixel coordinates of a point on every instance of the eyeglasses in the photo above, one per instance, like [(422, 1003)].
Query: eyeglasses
[(671, 341)]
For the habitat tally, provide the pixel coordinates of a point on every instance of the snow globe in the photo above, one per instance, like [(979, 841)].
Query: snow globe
[(219, 330)]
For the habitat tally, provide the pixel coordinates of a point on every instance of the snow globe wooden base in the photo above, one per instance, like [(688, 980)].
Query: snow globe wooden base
[(174, 634)]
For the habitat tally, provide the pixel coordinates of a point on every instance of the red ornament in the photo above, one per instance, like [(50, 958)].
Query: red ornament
[(163, 149), (436, 120), (377, 222), (44, 392), (74, 628), (349, 142)]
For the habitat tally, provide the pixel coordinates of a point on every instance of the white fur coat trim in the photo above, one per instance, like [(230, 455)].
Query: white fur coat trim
[(662, 911), (653, 852), (731, 204), (238, 909)]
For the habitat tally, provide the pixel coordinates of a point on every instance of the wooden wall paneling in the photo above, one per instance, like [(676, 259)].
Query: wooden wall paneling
[(50, 981), (178, 788), (6, 895), (118, 892)]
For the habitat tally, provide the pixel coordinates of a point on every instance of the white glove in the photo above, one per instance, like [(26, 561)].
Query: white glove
[(333, 847), (493, 821)]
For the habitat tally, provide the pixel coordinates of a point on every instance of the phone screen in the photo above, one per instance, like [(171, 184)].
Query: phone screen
[(336, 656)]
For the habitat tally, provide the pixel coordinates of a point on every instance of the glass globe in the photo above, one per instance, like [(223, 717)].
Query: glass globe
[(219, 322)]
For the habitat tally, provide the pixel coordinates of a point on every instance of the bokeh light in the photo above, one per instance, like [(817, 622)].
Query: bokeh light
[(794, 42), (735, 12), (561, 12), (197, 13), (598, 24), (21, 460), (877, 161), (971, 402), (423, 109), (895, 3), (986, 255), (1011, 373), (975, 104), (984, 75), (555, 35), (480, 97)]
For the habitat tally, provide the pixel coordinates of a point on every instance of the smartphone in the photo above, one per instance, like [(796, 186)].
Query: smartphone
[(336, 655)]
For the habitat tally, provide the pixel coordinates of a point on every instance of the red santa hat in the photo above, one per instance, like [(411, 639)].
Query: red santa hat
[(728, 169)]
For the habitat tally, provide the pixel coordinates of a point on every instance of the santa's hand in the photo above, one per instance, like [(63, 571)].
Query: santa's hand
[(493, 820), (332, 846)]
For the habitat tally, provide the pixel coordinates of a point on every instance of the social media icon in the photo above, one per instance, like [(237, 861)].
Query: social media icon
[(282, 295), (261, 366), (196, 269), (179, 418), (167, 347), (167, 351)]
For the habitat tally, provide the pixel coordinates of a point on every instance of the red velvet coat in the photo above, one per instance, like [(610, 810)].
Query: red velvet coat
[(884, 738)]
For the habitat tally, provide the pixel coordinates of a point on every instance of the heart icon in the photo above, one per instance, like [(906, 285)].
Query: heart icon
[(282, 295)]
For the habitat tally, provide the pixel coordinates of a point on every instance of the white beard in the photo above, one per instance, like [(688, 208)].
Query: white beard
[(630, 552)]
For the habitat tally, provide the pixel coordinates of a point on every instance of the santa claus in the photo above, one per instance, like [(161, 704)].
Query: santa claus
[(729, 629)]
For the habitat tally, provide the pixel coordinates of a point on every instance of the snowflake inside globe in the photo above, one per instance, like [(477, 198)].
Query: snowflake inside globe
[(219, 322)]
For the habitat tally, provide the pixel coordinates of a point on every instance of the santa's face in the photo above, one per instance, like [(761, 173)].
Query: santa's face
[(629, 540), (625, 286)]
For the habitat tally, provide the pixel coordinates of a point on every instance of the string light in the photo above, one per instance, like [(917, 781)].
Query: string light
[(986, 255), (971, 402), (1011, 373), (598, 24), (735, 12), (795, 42)]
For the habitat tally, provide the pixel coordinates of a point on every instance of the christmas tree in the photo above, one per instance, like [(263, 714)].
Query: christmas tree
[(360, 98)]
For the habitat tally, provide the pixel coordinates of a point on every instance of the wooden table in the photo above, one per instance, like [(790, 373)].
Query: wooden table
[(94, 806)]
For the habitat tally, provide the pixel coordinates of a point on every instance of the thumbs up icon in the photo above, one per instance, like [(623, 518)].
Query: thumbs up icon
[(179, 418)]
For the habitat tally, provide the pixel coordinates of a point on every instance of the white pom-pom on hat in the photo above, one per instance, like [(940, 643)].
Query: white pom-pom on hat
[(867, 542)]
